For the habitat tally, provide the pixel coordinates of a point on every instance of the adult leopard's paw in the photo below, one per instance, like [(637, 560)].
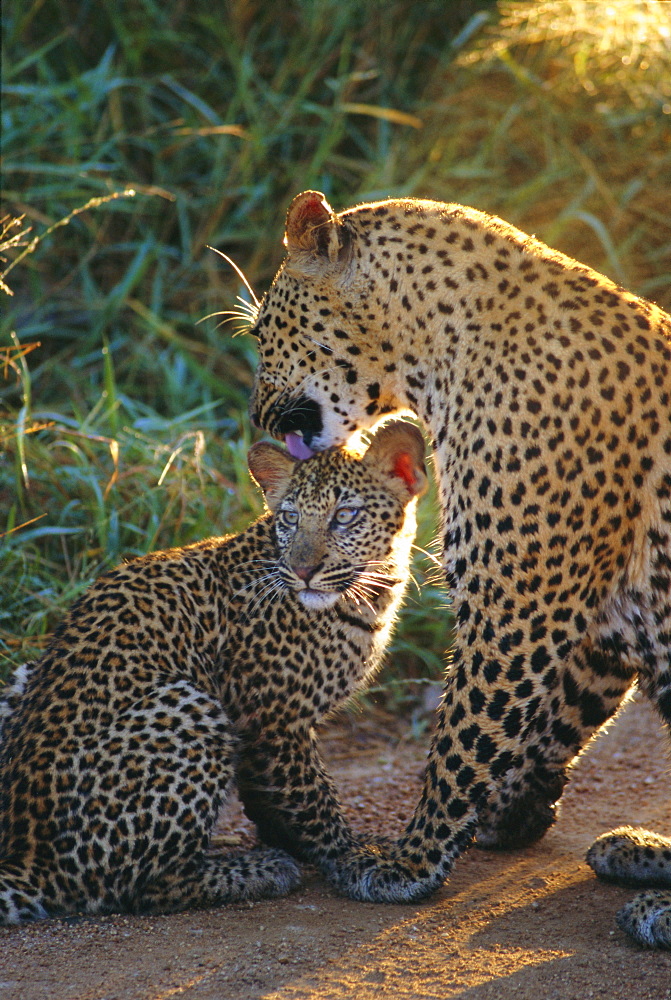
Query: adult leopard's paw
[(647, 918), (371, 874), (522, 823), (632, 855), (520, 818)]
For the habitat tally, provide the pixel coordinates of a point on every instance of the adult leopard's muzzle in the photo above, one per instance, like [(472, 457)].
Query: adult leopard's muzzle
[(296, 421)]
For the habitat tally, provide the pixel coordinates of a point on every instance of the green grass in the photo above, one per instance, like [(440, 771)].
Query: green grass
[(123, 424)]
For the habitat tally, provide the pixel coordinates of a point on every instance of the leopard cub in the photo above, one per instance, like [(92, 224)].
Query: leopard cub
[(184, 669)]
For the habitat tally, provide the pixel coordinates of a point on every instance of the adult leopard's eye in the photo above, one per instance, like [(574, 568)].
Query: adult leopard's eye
[(345, 515), (289, 518)]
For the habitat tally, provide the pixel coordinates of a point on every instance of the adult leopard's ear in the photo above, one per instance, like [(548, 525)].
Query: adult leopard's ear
[(314, 236), (398, 450), (272, 468)]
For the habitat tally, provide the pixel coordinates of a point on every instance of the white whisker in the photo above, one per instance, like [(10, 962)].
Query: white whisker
[(355, 592), (255, 582), (264, 594), (240, 274), (244, 311), (317, 343), (256, 562), (261, 579), (429, 555)]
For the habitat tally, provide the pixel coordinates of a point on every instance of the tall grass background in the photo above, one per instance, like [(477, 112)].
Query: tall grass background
[(136, 135)]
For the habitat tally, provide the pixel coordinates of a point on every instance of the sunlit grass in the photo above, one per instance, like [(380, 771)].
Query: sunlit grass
[(123, 423), (605, 49), (558, 118)]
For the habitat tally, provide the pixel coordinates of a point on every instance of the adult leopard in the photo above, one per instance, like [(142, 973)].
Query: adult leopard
[(546, 392)]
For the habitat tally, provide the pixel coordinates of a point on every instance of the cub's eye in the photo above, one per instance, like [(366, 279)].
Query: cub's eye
[(345, 515), (289, 518)]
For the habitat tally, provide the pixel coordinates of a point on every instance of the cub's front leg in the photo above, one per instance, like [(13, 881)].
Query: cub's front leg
[(287, 791)]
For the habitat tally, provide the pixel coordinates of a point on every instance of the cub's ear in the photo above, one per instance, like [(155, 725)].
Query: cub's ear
[(272, 468), (397, 450), (313, 236)]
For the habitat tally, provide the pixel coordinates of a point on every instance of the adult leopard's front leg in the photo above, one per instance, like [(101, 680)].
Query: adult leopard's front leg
[(289, 794), (522, 813), (442, 827), (414, 867), (496, 766)]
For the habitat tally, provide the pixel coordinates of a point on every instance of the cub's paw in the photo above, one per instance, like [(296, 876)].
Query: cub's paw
[(647, 918), (629, 855), (276, 874), (372, 874)]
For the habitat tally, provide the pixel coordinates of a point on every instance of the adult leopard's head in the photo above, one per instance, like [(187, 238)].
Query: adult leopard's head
[(321, 329)]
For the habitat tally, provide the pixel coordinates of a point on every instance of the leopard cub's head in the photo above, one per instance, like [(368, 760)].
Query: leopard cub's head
[(344, 523)]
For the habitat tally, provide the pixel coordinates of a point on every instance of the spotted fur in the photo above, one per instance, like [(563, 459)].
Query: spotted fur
[(181, 669), (546, 392)]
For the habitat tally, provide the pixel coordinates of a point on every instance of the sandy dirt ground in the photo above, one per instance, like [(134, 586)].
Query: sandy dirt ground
[(529, 925)]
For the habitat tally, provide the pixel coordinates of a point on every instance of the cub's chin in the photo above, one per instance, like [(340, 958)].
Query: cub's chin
[(317, 600)]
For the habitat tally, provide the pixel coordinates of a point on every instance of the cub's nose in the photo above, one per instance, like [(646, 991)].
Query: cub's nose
[(305, 571)]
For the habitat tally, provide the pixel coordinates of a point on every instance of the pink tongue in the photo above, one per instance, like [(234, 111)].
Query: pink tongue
[(297, 447)]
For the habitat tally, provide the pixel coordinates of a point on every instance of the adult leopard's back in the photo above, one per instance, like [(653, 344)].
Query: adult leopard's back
[(546, 390)]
